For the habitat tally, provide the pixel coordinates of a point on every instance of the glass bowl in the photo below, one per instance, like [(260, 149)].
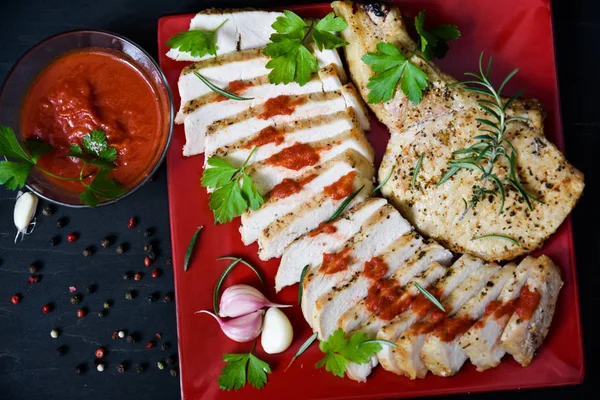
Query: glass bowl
[(26, 70)]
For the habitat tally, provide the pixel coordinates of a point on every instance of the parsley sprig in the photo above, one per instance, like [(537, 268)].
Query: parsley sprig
[(94, 152), (291, 60), (392, 67), (243, 368), (235, 191), (491, 146), (198, 43), (340, 351)]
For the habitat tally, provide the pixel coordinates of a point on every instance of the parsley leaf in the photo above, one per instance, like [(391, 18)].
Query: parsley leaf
[(37, 148), (435, 42), (234, 374), (197, 43), (290, 58), (14, 174), (10, 147), (231, 197), (391, 67)]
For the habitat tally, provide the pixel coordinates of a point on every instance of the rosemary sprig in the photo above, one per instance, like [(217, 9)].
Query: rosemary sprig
[(430, 297), (302, 349), (384, 181), (190, 249), (491, 146), (416, 171), (493, 235), (300, 287), (344, 204), (220, 91)]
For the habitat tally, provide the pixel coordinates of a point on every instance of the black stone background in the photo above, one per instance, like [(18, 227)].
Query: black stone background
[(29, 367)]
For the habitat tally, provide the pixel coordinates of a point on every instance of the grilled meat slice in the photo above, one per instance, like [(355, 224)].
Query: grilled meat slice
[(446, 121)]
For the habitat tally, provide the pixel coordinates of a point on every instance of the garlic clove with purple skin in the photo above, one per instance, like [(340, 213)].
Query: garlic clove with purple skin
[(241, 329), (238, 300)]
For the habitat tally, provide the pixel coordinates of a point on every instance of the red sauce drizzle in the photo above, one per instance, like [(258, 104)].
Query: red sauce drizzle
[(527, 303), (428, 324), (451, 328), (280, 105), (498, 310), (375, 268), (386, 299), (288, 187), (295, 157), (336, 262), (324, 227), (266, 136), (341, 188), (235, 87)]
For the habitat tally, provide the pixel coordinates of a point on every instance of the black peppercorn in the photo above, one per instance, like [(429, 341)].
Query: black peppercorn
[(61, 350), (91, 289), (174, 372), (140, 368), (87, 252), (121, 368), (147, 247), (168, 297), (148, 232), (130, 339), (158, 335), (120, 249), (53, 241), (129, 295), (127, 276), (80, 369), (151, 255), (165, 346), (34, 268), (101, 313), (169, 262), (61, 222), (47, 211), (75, 299), (171, 360), (105, 242), (152, 297)]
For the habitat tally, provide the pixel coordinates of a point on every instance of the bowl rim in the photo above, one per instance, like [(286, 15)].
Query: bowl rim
[(169, 97)]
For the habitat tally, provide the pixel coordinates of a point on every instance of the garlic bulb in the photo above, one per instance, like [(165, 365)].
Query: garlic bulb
[(238, 300), (25, 208), (277, 332), (240, 329)]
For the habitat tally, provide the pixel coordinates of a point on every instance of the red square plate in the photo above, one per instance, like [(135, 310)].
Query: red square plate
[(518, 33)]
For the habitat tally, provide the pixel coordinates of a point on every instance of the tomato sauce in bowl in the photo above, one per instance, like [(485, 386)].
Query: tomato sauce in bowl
[(94, 89)]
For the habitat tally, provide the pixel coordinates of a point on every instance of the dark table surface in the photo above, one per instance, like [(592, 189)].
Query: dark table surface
[(29, 366)]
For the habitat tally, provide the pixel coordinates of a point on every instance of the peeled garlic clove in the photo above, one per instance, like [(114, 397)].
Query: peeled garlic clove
[(277, 332), (238, 300), (25, 207), (241, 329)]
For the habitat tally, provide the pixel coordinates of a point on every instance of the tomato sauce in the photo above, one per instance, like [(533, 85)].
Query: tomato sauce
[(280, 105), (324, 227), (295, 157), (341, 188), (267, 135), (336, 262), (497, 310), (451, 328), (235, 87), (386, 299), (527, 303), (430, 323), (375, 268), (288, 187), (93, 89)]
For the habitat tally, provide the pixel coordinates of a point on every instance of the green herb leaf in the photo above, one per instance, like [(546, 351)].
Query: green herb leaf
[(303, 348), (290, 58), (416, 170), (435, 42), (390, 68), (340, 350), (300, 287), (344, 204), (231, 197), (190, 248), (225, 273), (508, 239), (383, 182), (430, 297), (37, 148), (240, 366), (89, 198), (13, 175), (197, 43), (10, 147), (103, 186), (220, 91)]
